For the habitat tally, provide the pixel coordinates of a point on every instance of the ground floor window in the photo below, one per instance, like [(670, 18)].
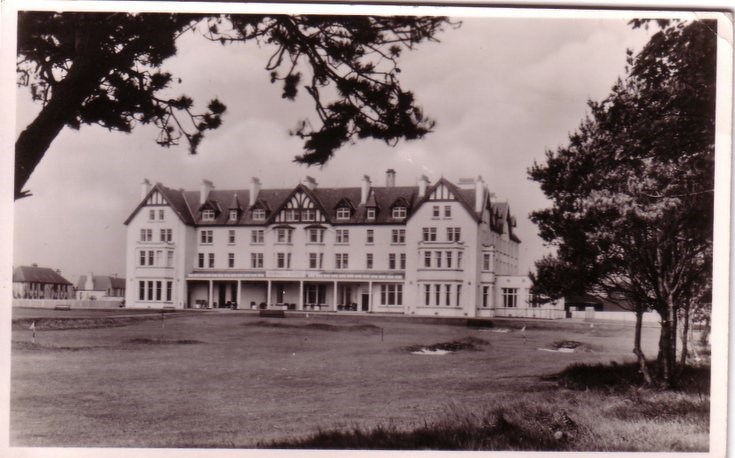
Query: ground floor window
[(315, 294), (153, 290), (345, 295), (391, 294), (485, 296), (433, 294), (510, 297)]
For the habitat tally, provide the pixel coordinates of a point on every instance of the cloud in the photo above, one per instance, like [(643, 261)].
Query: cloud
[(501, 90)]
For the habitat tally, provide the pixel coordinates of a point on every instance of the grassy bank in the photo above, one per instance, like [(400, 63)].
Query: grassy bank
[(596, 408)]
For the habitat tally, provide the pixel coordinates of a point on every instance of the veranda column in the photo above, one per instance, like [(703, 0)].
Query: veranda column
[(370, 296), (268, 300), (210, 293), (238, 299), (334, 305), (301, 295)]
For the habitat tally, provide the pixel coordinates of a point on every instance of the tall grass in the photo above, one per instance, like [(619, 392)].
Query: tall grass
[(596, 408)]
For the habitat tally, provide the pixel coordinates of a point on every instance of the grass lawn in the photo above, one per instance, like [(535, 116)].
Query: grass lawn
[(232, 379)]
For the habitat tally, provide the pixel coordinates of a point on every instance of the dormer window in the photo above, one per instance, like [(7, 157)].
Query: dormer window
[(399, 212), (343, 213), (308, 215), (208, 215), (370, 213), (259, 214), (291, 215), (234, 215)]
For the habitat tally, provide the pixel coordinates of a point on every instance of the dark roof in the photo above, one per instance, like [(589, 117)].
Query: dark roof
[(187, 205), (101, 282), (33, 274)]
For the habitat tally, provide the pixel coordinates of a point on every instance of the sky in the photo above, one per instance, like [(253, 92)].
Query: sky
[(502, 91)]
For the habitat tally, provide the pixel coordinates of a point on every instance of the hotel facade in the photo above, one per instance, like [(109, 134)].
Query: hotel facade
[(440, 249)]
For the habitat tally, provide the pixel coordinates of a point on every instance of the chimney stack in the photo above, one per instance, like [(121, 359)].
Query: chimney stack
[(204, 191), (145, 188), (423, 182), (390, 178), (479, 194), (310, 183), (89, 284), (364, 189), (254, 190)]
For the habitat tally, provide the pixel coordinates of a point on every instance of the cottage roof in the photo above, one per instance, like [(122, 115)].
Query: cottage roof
[(34, 274), (101, 282)]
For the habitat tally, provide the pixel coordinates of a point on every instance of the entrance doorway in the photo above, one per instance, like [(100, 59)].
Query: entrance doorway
[(222, 296), (365, 302)]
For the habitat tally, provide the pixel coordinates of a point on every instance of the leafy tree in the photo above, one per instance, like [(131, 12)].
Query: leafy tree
[(632, 193), (105, 69)]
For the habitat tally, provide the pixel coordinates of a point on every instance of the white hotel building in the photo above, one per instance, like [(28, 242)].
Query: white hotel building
[(432, 249)]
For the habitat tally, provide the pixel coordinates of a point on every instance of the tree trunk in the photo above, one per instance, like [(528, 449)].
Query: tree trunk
[(666, 358), (637, 346), (685, 337), (35, 140), (67, 97)]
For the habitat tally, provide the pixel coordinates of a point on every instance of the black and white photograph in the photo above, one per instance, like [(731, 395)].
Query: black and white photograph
[(277, 229)]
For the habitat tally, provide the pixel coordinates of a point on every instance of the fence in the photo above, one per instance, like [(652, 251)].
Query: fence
[(591, 314), (530, 312), (73, 303)]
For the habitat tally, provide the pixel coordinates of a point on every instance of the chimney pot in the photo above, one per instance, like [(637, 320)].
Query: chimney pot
[(145, 188), (423, 182), (390, 178), (479, 194), (254, 190), (204, 191), (364, 189)]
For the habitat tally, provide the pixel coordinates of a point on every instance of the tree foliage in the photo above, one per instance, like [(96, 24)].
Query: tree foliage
[(105, 69), (632, 193)]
